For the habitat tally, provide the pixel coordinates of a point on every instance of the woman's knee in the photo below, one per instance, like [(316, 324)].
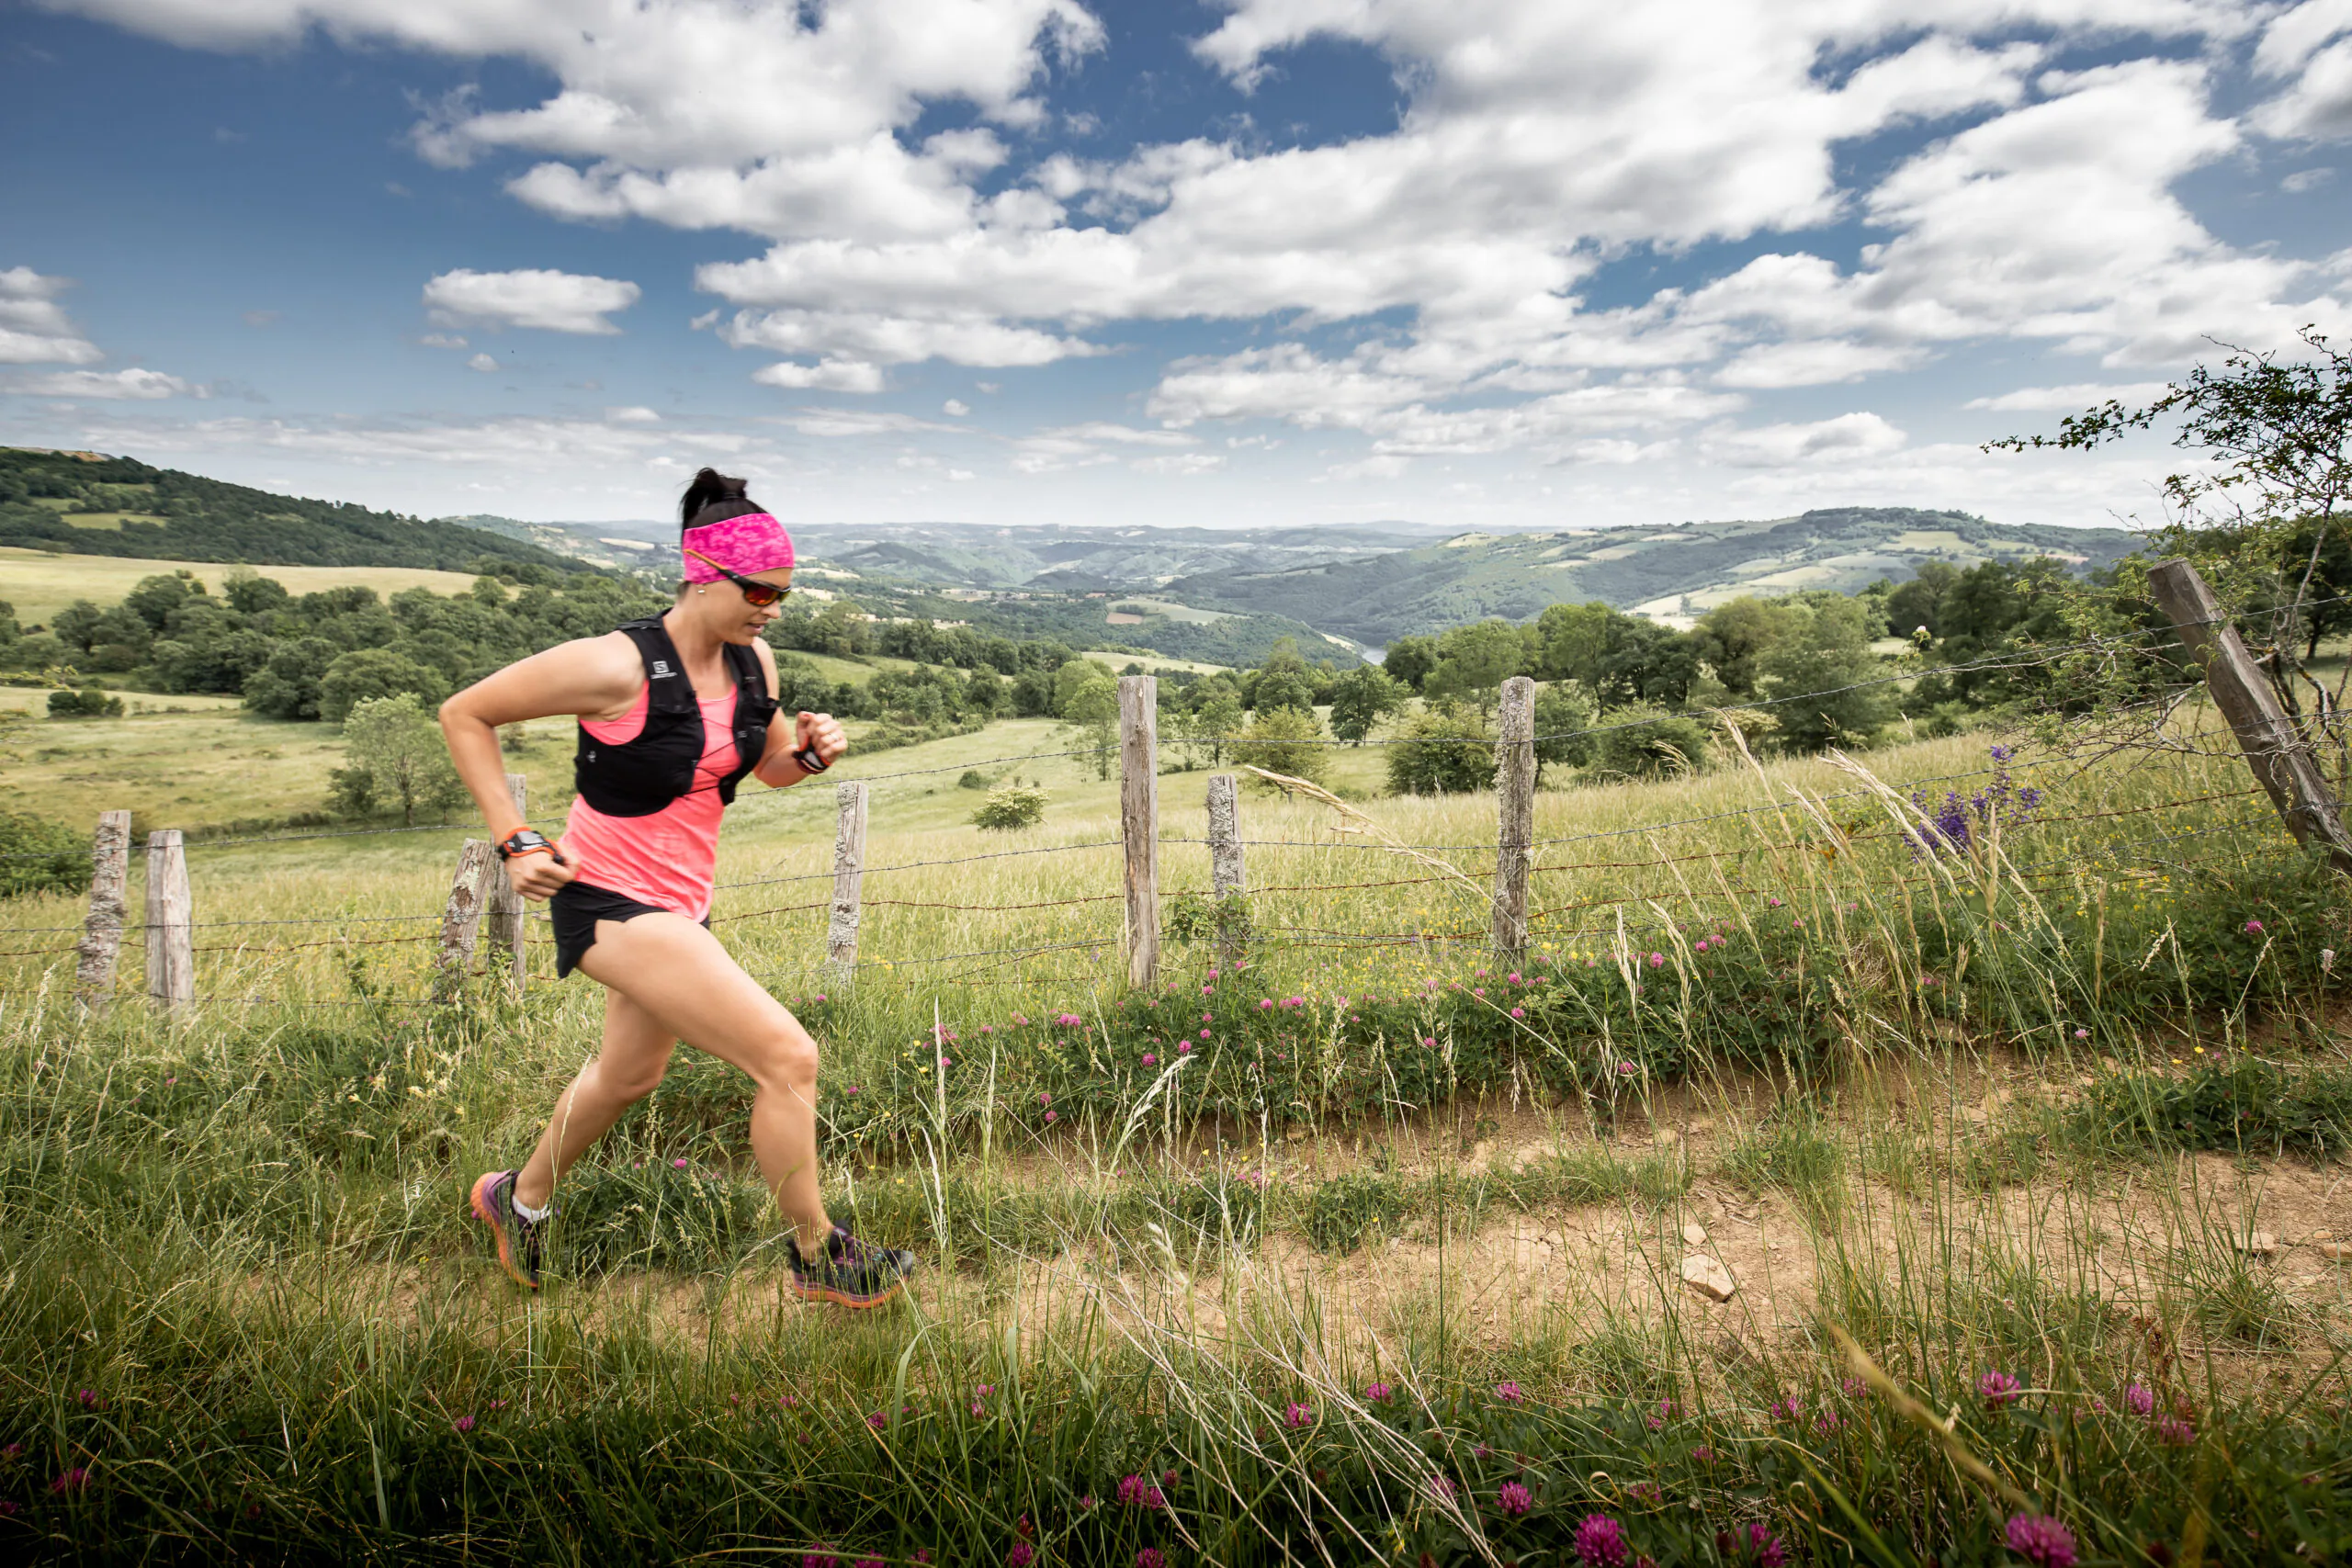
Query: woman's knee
[(788, 1057)]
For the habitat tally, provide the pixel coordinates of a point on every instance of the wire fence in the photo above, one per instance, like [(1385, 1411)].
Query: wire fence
[(1436, 865)]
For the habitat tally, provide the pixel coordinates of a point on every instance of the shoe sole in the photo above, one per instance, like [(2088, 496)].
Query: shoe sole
[(841, 1297), (482, 1212)]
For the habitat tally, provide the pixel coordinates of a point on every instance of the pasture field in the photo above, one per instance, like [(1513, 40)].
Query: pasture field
[(39, 584), (1369, 1249)]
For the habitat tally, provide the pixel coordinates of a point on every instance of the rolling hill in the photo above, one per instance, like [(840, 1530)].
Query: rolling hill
[(87, 503), (1670, 574)]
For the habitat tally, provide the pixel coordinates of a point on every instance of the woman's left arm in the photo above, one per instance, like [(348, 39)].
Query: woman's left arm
[(821, 732)]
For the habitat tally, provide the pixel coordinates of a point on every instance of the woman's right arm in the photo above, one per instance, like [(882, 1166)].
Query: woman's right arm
[(593, 677)]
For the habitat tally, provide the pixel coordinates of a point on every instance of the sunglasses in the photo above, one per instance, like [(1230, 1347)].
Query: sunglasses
[(758, 596)]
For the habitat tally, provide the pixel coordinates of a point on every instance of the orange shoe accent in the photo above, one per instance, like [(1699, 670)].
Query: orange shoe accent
[(482, 1212), (808, 1292)]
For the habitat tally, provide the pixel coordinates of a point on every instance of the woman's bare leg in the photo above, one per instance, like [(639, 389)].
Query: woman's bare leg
[(674, 973), (635, 1055)]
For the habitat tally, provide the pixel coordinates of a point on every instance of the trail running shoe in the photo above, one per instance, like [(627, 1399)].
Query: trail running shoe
[(518, 1238), (853, 1272)]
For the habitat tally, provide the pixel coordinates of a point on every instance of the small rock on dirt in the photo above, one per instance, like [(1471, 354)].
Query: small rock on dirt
[(1695, 1233), (2339, 1251), (2257, 1244), (1709, 1278)]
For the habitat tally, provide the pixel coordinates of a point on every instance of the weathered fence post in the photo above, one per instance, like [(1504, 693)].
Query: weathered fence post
[(849, 882), (1515, 787), (101, 941), (2281, 763), (1139, 821), (1226, 874), (461, 919), (170, 916), (506, 920)]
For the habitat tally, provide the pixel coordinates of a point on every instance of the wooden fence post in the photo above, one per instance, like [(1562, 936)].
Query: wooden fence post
[(505, 918), (101, 941), (461, 919), (1139, 821), (171, 918), (1515, 788), (1226, 873), (2281, 763), (849, 882)]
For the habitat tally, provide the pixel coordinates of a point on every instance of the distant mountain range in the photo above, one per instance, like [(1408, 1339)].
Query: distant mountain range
[(1371, 584), (1222, 596)]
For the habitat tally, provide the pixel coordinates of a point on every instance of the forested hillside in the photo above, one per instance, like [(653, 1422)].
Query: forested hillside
[(1671, 572), (85, 503)]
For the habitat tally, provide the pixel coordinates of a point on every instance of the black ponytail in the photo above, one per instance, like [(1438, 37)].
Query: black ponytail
[(713, 497)]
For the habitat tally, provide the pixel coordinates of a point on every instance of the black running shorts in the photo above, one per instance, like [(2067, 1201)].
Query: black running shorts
[(575, 910)]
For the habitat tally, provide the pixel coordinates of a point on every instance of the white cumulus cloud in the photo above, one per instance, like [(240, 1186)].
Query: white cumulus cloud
[(1848, 437), (34, 328), (537, 296), (135, 384)]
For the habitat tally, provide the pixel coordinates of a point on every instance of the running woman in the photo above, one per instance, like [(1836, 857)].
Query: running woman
[(674, 711)]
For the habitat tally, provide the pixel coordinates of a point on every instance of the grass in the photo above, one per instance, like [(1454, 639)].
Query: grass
[(242, 1231), (39, 584)]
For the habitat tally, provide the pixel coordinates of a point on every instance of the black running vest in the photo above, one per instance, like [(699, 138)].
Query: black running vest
[(638, 778)]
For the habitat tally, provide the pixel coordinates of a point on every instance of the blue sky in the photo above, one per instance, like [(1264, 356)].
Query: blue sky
[(1473, 262)]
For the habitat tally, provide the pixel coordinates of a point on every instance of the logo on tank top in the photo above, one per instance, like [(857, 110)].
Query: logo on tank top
[(660, 668)]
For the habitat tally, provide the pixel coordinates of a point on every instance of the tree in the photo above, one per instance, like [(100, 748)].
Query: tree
[(1088, 709), (395, 744), (1570, 641), (1410, 658), (1443, 751), (2274, 436), (365, 672), (1210, 726), (1733, 637), (1828, 653), (1282, 681), (287, 687), (1286, 740), (1918, 605), (1474, 661), (1361, 699), (1565, 717)]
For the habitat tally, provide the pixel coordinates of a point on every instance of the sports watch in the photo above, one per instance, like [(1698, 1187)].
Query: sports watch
[(527, 842)]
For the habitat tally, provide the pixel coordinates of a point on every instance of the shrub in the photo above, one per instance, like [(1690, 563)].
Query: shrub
[(1011, 806), (42, 857), (1286, 740), (89, 702), (973, 779), (1347, 1208), (1444, 752), (1644, 740)]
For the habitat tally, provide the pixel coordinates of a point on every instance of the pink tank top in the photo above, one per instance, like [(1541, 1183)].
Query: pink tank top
[(669, 858)]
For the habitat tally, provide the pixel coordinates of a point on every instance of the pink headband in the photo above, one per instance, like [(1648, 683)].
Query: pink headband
[(751, 544)]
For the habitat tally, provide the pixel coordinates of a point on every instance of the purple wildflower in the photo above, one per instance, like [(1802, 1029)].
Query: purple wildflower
[(1514, 1499), (677, 1165), (1508, 1392), (1769, 1553), (2176, 1432), (877, 1420), (1658, 960), (820, 1558), (1441, 1488), (74, 1480), (1998, 1389), (1151, 1557), (2254, 927), (463, 1424), (1601, 1542), (2041, 1541), (89, 1398), (1021, 1556), (1298, 1415), (1377, 1392), (2139, 1401), (1150, 1060)]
